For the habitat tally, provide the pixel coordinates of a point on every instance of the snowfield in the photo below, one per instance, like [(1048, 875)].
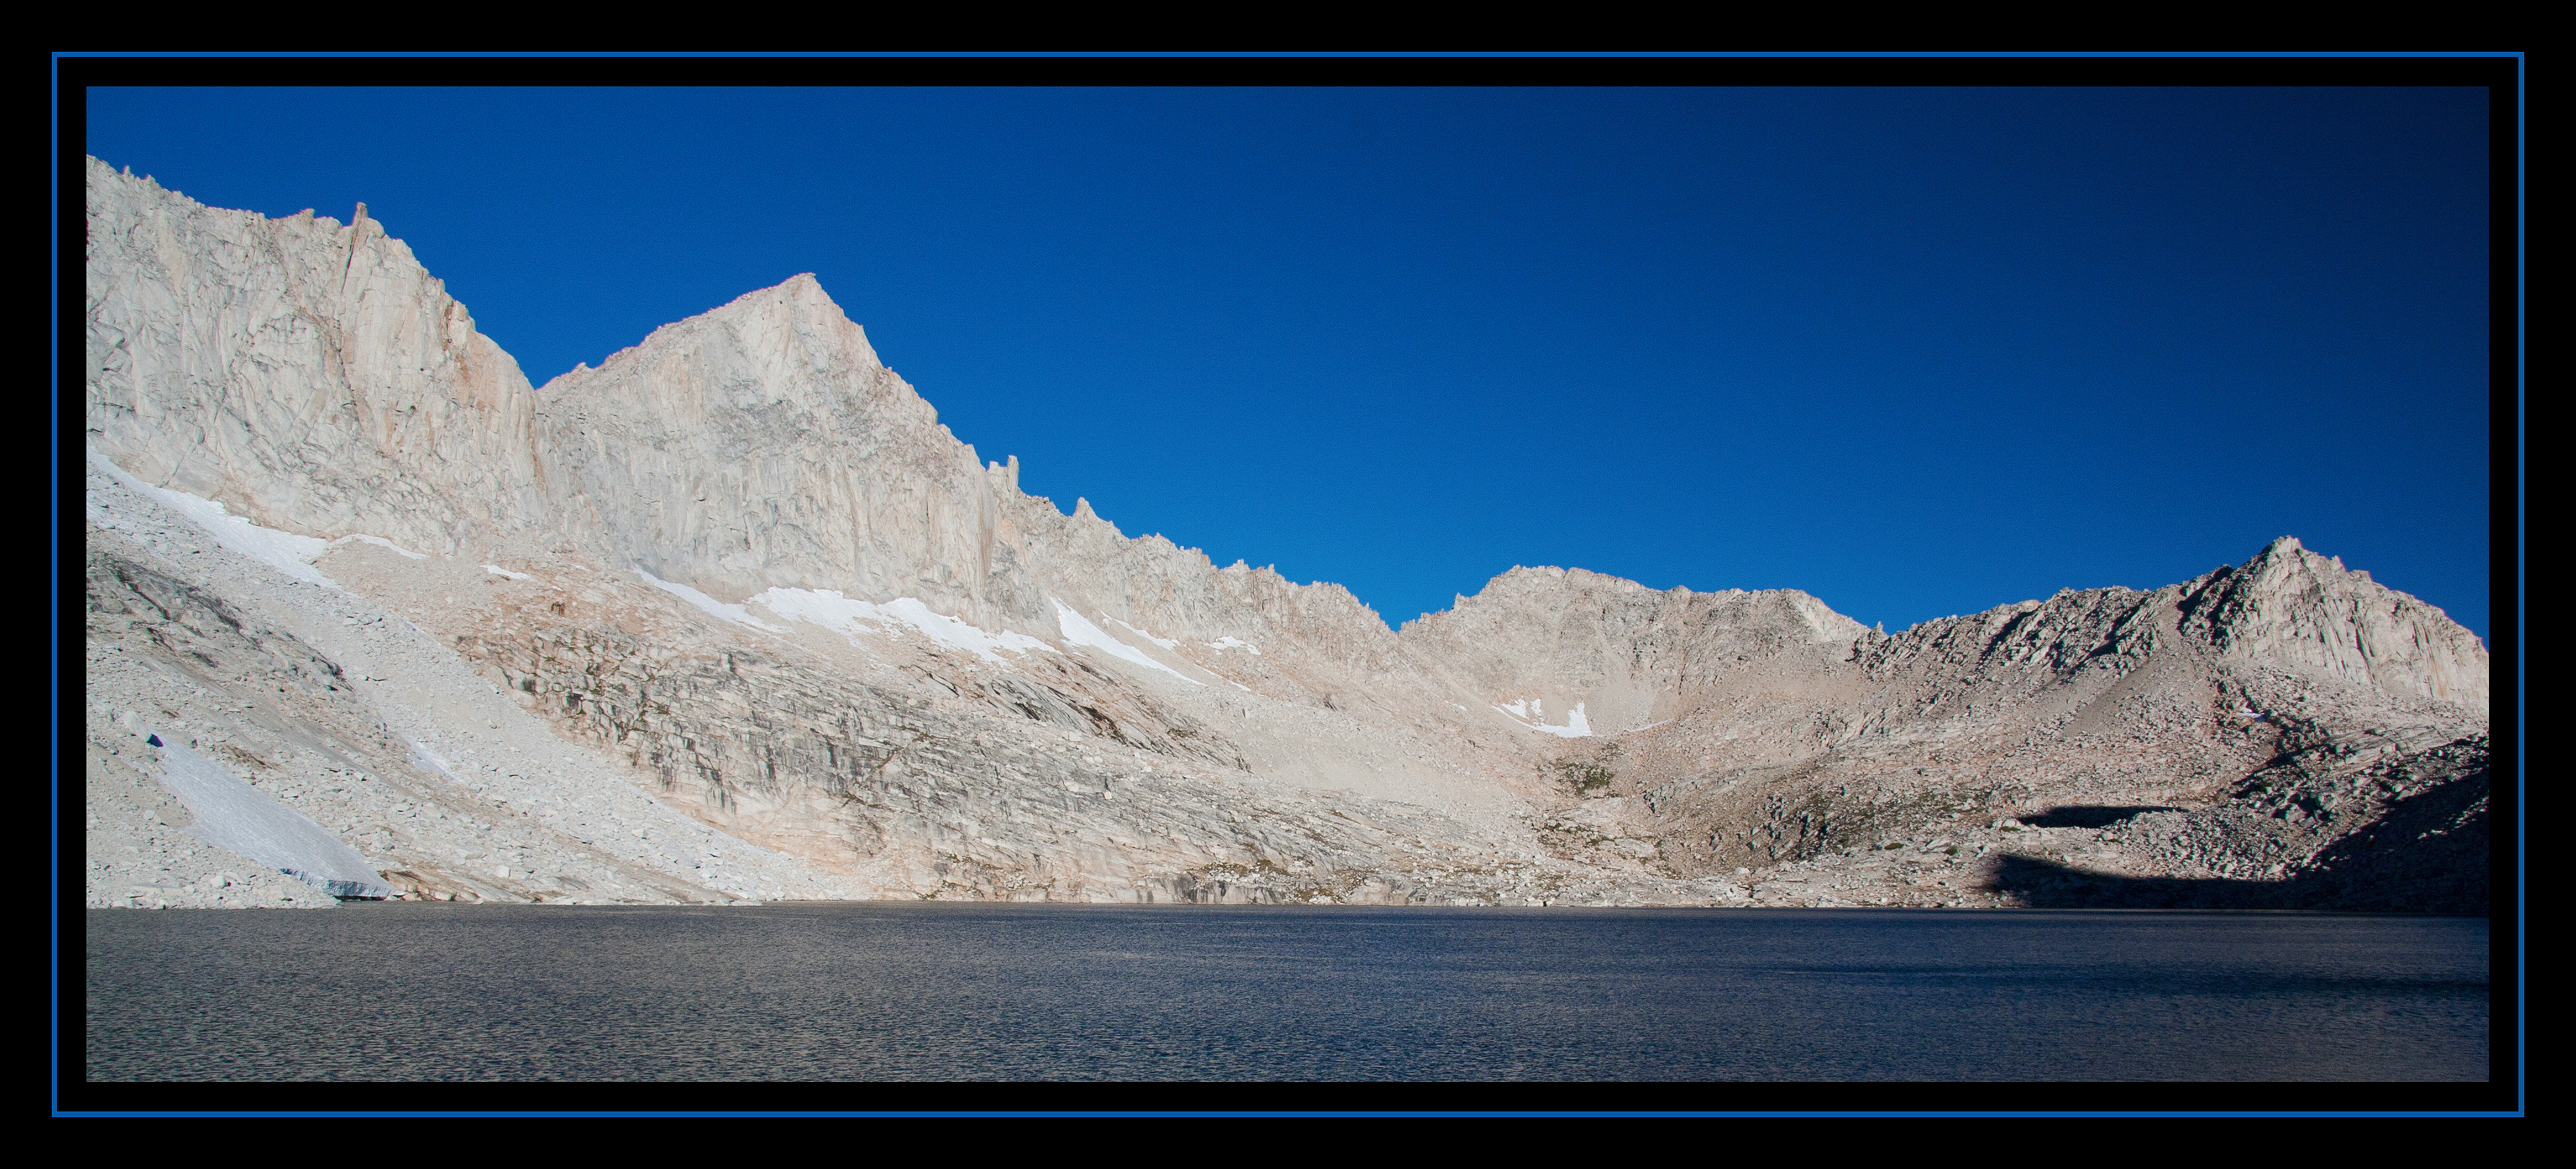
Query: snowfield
[(1078, 630), (850, 617), (1531, 714), (234, 815), (713, 607), (286, 552)]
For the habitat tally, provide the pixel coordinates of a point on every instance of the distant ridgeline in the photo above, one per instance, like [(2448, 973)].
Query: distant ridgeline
[(743, 567)]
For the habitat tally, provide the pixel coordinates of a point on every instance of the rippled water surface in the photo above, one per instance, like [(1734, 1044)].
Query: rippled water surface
[(886, 992)]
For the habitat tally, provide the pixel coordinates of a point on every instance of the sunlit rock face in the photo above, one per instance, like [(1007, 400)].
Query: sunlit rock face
[(732, 616), (308, 373), (2291, 606)]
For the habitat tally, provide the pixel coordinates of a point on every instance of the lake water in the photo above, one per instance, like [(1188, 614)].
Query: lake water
[(944, 992)]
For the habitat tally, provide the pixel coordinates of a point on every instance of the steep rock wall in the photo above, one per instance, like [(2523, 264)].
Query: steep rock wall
[(307, 373)]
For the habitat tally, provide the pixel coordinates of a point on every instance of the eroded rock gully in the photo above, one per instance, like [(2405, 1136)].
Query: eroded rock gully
[(733, 617)]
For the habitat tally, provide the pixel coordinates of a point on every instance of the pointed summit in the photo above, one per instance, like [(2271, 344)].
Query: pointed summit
[(763, 325), (2292, 605)]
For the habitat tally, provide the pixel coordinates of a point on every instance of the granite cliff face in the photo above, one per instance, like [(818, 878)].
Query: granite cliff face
[(302, 370), (742, 569)]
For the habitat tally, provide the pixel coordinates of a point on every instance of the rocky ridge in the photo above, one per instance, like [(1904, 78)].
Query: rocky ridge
[(739, 578)]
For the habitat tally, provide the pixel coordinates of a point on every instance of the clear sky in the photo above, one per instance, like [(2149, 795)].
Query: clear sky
[(1918, 352)]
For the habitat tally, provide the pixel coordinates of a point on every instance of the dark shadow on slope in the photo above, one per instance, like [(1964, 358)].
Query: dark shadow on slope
[(2090, 815), (2044, 884), (2427, 854)]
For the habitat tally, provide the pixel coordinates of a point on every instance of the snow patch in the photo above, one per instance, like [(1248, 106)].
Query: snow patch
[(849, 617), (497, 570), (1080, 631), (1228, 642), (1531, 714), (233, 815), (827, 608), (712, 606), (284, 551), (381, 542), (1165, 642)]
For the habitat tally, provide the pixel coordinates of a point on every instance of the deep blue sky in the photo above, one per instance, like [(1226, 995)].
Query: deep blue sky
[(1915, 352)]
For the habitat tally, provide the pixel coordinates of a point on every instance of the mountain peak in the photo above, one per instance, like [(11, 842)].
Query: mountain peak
[(2289, 603)]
